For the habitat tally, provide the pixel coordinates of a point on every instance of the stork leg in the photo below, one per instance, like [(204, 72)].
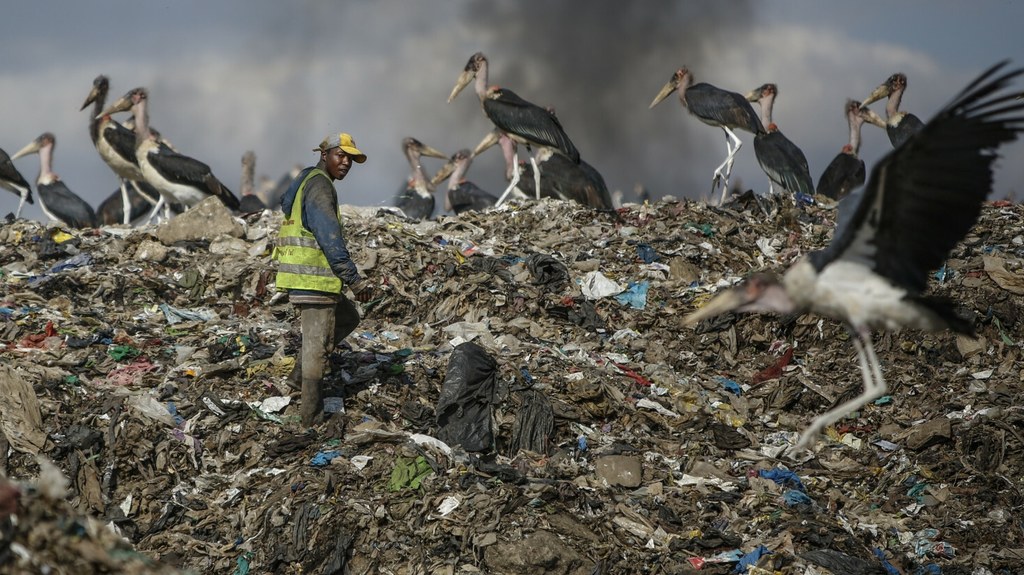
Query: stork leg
[(156, 209), (126, 204), (730, 157), (874, 387), (512, 184), (21, 203), (536, 175)]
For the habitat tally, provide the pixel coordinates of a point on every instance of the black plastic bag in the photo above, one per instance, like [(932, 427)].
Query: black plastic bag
[(464, 408)]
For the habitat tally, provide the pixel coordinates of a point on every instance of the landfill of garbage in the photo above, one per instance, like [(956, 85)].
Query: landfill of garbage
[(522, 399)]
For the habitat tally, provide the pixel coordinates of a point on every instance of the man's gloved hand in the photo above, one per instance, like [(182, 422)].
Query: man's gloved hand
[(365, 293)]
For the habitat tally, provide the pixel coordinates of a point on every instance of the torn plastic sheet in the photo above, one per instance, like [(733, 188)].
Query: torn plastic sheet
[(176, 315)]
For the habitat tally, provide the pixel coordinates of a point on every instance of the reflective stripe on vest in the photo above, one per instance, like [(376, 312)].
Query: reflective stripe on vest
[(301, 263)]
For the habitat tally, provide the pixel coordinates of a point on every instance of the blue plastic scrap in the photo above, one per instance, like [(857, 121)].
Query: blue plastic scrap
[(646, 253), (783, 477), (323, 458), (795, 497), (635, 295), (751, 559), (730, 386), (890, 569)]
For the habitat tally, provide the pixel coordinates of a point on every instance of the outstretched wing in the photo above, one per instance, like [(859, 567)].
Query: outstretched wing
[(924, 196)]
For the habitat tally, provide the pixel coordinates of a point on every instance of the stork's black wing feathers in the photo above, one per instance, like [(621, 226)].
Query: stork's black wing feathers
[(598, 196), (718, 107), (468, 196), (844, 174), (784, 162), (122, 140), (515, 116), (923, 197), (908, 126), (191, 172), (66, 205), (11, 178), (414, 205)]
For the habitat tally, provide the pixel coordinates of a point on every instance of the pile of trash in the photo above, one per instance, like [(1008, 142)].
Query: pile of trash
[(522, 398)]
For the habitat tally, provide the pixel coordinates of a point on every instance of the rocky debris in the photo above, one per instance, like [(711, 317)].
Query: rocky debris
[(607, 438)]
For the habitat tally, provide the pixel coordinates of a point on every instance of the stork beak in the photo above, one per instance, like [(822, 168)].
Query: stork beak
[(722, 303), (871, 117), (879, 93), (464, 79), (753, 95), (93, 94), (665, 91), (123, 104), (432, 152), (489, 140), (32, 148), (443, 174)]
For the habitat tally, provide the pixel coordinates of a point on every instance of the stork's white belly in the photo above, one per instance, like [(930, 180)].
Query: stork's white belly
[(851, 291), (121, 167), (171, 191)]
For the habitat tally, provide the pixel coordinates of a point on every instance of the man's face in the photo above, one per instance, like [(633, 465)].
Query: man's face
[(338, 163)]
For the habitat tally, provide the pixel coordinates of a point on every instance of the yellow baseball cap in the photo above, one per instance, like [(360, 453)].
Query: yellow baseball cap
[(344, 141)]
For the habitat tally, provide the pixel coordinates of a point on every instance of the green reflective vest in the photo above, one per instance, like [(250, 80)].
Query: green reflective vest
[(301, 262)]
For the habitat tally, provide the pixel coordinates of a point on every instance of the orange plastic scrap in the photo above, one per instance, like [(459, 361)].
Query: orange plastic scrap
[(774, 371)]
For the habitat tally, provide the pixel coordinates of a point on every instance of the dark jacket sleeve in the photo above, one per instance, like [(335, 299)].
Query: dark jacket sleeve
[(320, 216)]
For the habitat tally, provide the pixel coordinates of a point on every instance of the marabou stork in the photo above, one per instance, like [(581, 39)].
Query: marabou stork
[(519, 120), (462, 195), (781, 159), (416, 198), (715, 107), (12, 180), (921, 199), (845, 172), (899, 125), (116, 146), (178, 178), (560, 178), (250, 202), (55, 199)]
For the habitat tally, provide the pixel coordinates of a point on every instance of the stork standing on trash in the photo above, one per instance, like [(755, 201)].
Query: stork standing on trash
[(520, 121)]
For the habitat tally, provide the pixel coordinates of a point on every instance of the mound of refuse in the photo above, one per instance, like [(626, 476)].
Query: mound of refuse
[(521, 399)]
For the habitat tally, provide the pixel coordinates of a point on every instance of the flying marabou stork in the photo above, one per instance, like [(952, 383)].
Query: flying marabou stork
[(899, 125), (715, 107), (519, 120), (416, 198), (462, 195), (12, 180), (921, 199), (178, 178), (55, 199), (250, 202), (845, 172), (781, 159)]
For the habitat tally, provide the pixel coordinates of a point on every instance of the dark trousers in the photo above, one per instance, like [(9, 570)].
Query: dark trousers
[(323, 326)]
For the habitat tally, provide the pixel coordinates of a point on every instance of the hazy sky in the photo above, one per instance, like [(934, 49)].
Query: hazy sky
[(276, 77)]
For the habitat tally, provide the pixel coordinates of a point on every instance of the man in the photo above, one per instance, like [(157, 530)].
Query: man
[(314, 266)]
